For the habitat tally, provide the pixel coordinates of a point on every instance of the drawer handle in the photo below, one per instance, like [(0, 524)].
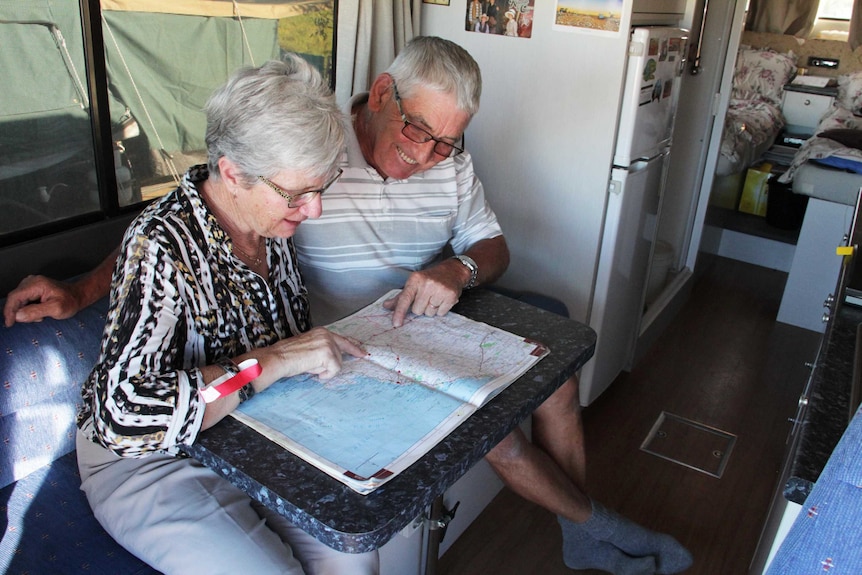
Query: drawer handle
[(807, 102)]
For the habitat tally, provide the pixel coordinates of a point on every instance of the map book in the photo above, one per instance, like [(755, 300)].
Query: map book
[(381, 413)]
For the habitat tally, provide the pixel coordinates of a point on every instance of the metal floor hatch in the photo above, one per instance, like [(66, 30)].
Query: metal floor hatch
[(689, 443)]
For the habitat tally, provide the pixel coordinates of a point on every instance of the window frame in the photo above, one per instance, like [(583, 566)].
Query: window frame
[(103, 154)]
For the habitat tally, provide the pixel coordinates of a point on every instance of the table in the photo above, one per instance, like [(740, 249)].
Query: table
[(354, 523)]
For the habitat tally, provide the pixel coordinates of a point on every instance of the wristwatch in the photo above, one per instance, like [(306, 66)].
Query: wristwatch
[(470, 265)]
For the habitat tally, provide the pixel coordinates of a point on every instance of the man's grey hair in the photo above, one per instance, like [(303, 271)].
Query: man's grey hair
[(441, 65), (279, 116)]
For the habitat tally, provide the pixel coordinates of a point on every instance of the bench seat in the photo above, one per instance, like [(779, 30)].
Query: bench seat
[(47, 524)]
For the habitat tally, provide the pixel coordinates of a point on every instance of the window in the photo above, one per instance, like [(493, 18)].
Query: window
[(835, 9), (160, 66), (833, 20), (47, 163)]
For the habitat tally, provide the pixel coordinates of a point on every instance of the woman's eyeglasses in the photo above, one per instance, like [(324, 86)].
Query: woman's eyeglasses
[(297, 199)]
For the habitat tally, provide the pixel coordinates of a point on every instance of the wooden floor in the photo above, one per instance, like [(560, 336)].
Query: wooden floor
[(724, 362)]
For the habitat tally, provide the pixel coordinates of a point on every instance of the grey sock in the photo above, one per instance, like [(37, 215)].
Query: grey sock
[(581, 551), (638, 541)]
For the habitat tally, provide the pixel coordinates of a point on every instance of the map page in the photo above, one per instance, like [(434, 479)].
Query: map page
[(383, 412)]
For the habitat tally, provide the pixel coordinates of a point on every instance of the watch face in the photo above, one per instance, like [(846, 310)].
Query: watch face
[(468, 262), (470, 265)]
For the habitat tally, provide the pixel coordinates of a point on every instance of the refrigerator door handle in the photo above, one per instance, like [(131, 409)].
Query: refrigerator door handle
[(695, 67), (639, 165), (642, 163)]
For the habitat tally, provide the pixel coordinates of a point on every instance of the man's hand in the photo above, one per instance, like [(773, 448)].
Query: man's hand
[(38, 297), (432, 291)]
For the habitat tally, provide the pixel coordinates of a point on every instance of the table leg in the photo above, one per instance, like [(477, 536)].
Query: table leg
[(432, 545), (437, 521)]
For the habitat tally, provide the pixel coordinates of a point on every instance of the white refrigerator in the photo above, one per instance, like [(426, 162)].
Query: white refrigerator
[(656, 58), (543, 144)]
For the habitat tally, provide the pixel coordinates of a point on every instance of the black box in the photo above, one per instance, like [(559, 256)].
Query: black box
[(784, 209)]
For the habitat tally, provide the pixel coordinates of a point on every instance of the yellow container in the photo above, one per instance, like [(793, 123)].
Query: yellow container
[(755, 190)]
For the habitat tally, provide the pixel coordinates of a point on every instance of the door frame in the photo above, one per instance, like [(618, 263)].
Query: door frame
[(729, 20)]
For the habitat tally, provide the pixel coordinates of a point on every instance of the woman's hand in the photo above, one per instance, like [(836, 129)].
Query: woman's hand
[(318, 351)]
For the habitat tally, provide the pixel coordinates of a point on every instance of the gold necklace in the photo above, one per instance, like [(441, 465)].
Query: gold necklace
[(255, 258)]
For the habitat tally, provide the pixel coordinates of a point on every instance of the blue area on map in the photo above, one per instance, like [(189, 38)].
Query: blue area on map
[(377, 433)]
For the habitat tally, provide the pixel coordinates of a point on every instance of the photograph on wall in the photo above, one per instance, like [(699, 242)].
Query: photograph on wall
[(438, 2), (502, 17), (593, 15)]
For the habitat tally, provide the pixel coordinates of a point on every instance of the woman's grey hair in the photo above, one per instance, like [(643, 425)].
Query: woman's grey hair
[(279, 116), (441, 65)]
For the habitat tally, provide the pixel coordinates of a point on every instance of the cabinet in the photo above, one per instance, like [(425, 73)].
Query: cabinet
[(815, 264), (657, 12), (782, 512), (806, 480), (804, 106)]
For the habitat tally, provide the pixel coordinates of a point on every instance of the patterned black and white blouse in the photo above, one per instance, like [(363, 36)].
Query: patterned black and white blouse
[(181, 300)]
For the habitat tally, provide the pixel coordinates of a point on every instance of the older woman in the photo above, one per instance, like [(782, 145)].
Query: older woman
[(207, 280)]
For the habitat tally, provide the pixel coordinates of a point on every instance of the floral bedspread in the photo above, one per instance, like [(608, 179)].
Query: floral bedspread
[(751, 123)]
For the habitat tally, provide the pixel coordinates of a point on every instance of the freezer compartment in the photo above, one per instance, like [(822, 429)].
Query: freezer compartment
[(650, 92)]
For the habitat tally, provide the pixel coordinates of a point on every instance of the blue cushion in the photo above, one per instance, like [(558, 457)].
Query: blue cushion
[(540, 301), (42, 367), (49, 528), (841, 163)]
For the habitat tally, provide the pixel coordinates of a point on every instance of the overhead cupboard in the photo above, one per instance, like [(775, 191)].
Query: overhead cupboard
[(651, 12)]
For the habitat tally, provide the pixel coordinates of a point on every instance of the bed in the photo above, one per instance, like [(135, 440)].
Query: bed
[(754, 116), (829, 164), (828, 169)]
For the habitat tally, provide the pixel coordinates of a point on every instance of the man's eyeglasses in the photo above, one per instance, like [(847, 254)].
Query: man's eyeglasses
[(416, 134), (297, 199)]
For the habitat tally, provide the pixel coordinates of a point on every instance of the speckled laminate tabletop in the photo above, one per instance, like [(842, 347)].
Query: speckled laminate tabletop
[(827, 414), (355, 523)]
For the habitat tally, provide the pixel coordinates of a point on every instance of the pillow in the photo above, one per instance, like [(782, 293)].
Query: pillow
[(846, 137), (839, 118), (764, 71), (850, 91)]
